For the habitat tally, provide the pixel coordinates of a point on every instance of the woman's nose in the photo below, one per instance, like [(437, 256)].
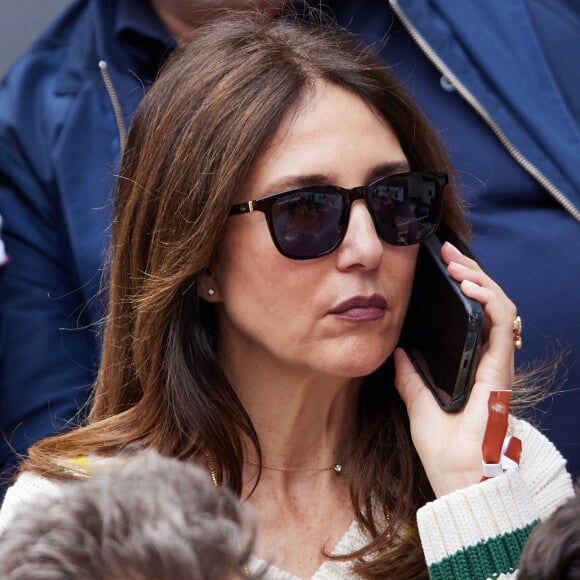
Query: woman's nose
[(361, 246)]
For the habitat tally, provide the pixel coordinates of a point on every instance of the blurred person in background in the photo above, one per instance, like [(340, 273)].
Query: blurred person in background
[(143, 518), (553, 549)]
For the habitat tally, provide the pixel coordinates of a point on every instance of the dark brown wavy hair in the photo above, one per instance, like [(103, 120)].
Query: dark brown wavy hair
[(194, 138)]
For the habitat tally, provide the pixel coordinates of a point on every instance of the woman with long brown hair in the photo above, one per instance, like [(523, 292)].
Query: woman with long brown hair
[(259, 278)]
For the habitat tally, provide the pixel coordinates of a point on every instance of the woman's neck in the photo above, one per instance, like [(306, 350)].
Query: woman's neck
[(301, 420), (181, 17)]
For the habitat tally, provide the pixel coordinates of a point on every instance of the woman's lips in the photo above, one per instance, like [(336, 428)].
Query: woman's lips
[(361, 308)]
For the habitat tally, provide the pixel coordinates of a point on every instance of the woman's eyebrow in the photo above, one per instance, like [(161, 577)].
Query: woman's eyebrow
[(389, 168), (289, 182)]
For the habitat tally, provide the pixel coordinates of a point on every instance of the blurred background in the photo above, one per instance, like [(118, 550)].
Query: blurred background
[(20, 23)]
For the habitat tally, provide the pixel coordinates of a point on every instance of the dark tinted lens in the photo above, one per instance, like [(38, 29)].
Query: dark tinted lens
[(406, 208), (307, 224)]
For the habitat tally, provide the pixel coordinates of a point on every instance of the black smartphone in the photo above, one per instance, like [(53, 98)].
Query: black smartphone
[(442, 330)]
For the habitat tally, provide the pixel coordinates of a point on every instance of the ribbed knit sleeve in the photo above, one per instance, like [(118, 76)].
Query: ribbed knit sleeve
[(479, 532)]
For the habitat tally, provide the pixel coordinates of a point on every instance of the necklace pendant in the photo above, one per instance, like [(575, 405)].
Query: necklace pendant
[(338, 469)]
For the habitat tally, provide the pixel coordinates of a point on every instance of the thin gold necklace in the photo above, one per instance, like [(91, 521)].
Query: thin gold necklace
[(211, 467), (337, 467), (214, 480)]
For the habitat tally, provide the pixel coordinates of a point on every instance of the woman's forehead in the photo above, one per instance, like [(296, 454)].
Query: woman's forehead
[(331, 135)]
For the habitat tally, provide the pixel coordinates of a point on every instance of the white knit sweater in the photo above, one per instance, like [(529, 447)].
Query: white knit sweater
[(472, 534)]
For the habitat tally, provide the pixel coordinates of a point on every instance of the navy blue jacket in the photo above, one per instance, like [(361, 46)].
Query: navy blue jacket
[(512, 128), (59, 147)]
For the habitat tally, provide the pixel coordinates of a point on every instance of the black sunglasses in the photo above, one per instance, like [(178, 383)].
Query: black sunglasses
[(311, 222)]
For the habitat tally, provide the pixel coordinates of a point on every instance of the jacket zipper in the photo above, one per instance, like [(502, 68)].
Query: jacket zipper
[(114, 102), (476, 105)]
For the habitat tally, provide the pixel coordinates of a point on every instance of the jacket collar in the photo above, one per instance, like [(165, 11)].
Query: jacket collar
[(140, 31), (492, 56), (128, 37)]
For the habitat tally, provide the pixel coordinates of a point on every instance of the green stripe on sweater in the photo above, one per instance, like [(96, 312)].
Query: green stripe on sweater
[(498, 555)]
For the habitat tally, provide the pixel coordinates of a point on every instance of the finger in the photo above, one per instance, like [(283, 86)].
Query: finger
[(450, 253), (501, 312), (407, 381), (476, 284), (461, 268), (459, 272), (462, 272)]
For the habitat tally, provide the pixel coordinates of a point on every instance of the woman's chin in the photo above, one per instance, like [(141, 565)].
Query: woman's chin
[(362, 365)]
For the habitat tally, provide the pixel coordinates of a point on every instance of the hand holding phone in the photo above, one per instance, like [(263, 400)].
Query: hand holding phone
[(449, 444), (442, 330)]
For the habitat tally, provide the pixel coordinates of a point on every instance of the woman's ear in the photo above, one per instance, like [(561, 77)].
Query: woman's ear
[(207, 287)]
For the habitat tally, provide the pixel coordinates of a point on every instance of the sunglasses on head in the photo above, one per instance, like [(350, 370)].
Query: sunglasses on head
[(311, 222)]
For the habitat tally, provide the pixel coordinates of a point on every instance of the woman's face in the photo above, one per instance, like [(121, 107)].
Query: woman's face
[(338, 315)]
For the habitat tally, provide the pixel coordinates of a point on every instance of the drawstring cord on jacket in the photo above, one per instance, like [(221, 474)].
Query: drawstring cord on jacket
[(114, 102)]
